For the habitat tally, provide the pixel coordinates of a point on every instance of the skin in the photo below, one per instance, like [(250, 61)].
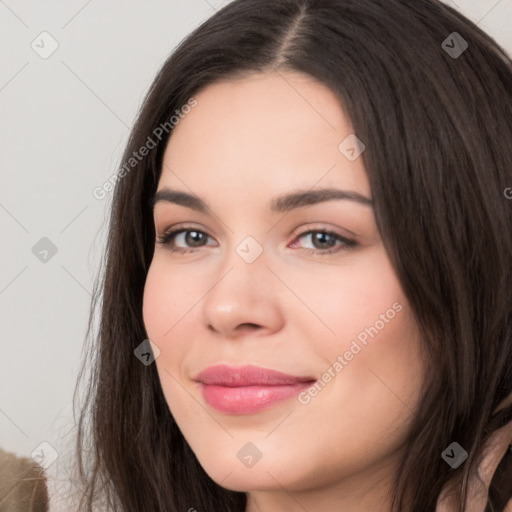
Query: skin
[(295, 311)]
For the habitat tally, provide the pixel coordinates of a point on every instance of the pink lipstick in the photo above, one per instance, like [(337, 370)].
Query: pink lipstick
[(247, 389)]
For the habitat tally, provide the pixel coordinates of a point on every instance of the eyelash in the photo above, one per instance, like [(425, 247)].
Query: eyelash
[(168, 236)]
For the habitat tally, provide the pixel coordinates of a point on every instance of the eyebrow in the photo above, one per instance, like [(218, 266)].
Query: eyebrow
[(284, 203)]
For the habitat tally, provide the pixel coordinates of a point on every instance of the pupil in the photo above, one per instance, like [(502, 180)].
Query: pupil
[(321, 237), (193, 237)]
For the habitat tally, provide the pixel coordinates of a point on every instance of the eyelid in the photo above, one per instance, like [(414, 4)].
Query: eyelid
[(347, 243), (322, 226), (169, 235), (297, 232)]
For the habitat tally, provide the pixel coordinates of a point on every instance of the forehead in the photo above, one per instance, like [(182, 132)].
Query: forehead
[(266, 131)]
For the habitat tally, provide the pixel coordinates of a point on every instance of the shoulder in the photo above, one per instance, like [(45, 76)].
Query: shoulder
[(494, 451), (22, 484)]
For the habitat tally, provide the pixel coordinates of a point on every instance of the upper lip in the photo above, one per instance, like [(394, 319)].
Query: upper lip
[(249, 375)]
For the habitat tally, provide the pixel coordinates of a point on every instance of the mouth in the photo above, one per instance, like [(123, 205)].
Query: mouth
[(248, 389)]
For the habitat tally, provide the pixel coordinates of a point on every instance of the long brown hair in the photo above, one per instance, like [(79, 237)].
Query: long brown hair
[(437, 128)]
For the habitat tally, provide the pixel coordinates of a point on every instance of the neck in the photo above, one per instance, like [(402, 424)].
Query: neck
[(368, 490)]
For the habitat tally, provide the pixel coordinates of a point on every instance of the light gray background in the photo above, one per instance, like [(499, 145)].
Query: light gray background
[(65, 120)]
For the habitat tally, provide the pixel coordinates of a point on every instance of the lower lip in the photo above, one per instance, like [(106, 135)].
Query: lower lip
[(248, 399)]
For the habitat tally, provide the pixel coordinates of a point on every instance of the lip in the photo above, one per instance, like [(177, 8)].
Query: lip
[(247, 389)]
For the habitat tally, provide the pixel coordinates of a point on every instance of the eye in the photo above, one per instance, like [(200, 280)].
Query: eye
[(323, 241), (191, 236)]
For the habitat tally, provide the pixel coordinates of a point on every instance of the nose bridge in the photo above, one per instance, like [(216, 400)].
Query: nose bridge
[(245, 274), (242, 294)]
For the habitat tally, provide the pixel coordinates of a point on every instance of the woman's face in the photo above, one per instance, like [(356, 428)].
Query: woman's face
[(262, 285)]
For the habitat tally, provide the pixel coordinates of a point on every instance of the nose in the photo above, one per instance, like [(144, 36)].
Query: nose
[(244, 298)]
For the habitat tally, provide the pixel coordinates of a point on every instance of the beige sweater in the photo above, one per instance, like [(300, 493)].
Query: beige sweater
[(22, 485)]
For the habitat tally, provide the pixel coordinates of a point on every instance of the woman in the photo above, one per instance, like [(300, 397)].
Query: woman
[(307, 287)]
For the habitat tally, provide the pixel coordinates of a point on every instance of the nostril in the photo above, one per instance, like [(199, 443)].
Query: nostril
[(249, 325)]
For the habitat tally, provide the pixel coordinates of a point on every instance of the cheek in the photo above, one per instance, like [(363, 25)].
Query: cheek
[(167, 308), (153, 304), (363, 303), (375, 354), (160, 312), (165, 300)]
